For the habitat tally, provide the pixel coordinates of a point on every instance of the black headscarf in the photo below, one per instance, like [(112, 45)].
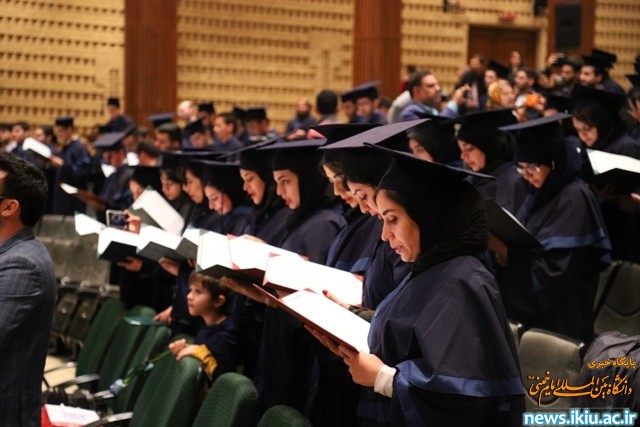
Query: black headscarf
[(452, 223), (313, 187)]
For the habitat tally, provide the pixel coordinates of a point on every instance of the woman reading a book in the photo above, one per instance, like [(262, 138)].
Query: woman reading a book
[(553, 288), (446, 311)]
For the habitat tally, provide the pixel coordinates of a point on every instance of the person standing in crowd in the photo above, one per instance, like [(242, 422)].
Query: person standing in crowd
[(207, 113), (553, 287), (118, 121), (426, 98), (433, 140), (168, 137), (327, 107), (485, 149), (224, 130), (115, 190), (366, 99), (257, 123), (474, 78), (298, 127), (446, 310), (27, 293), (73, 166)]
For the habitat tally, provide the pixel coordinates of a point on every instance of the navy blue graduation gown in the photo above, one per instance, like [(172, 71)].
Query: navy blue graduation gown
[(554, 288), (446, 332), (223, 342), (286, 355), (352, 248), (270, 227), (508, 190), (75, 172)]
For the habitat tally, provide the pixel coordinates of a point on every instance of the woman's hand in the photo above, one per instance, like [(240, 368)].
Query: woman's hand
[(335, 299), (133, 222), (325, 340), (131, 264), (169, 266), (363, 367)]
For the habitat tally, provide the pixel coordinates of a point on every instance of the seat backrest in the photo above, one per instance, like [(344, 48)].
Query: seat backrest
[(155, 341), (99, 337), (168, 397), (83, 316), (542, 351), (49, 225), (117, 360), (98, 270), (78, 263), (282, 415), (231, 402), (67, 229), (620, 309), (60, 256)]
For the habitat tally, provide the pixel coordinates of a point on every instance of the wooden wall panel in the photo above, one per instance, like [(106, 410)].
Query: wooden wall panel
[(251, 52), (60, 57)]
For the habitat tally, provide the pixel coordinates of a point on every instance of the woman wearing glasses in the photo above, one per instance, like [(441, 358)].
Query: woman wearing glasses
[(553, 287)]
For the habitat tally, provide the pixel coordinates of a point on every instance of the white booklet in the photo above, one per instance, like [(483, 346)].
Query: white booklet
[(153, 209), (60, 415), (155, 243), (237, 257), (37, 147), (116, 245), (297, 274), (86, 225), (322, 314)]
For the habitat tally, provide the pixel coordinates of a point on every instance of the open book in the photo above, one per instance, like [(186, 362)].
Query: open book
[(37, 147), (95, 201), (621, 172), (188, 246), (155, 243), (154, 210), (507, 228), (236, 257), (116, 245), (322, 314), (294, 274), (86, 225)]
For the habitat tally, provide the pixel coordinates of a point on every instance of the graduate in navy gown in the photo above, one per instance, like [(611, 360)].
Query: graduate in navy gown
[(223, 190), (434, 140), (554, 287), (142, 281), (441, 350), (599, 126), (485, 149), (73, 165), (286, 354)]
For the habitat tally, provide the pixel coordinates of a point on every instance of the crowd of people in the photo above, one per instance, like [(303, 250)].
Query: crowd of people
[(396, 194)]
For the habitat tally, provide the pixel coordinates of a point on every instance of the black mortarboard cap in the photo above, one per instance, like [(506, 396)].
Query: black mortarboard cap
[(600, 64), (366, 90), (225, 177), (636, 66), (610, 57), (252, 159), (481, 129), (5, 126), (147, 176), (502, 71), (537, 139), (113, 101), (335, 132), (196, 126), (65, 121), (410, 174), (634, 79), (255, 113), (207, 107), (161, 118), (238, 112), (292, 154), (190, 159), (392, 136), (110, 141), (608, 101)]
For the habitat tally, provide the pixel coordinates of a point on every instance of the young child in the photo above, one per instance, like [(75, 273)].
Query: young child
[(217, 343)]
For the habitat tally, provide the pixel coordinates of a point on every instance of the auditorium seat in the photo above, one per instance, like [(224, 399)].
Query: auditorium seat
[(231, 402), (282, 415), (617, 306), (541, 351)]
